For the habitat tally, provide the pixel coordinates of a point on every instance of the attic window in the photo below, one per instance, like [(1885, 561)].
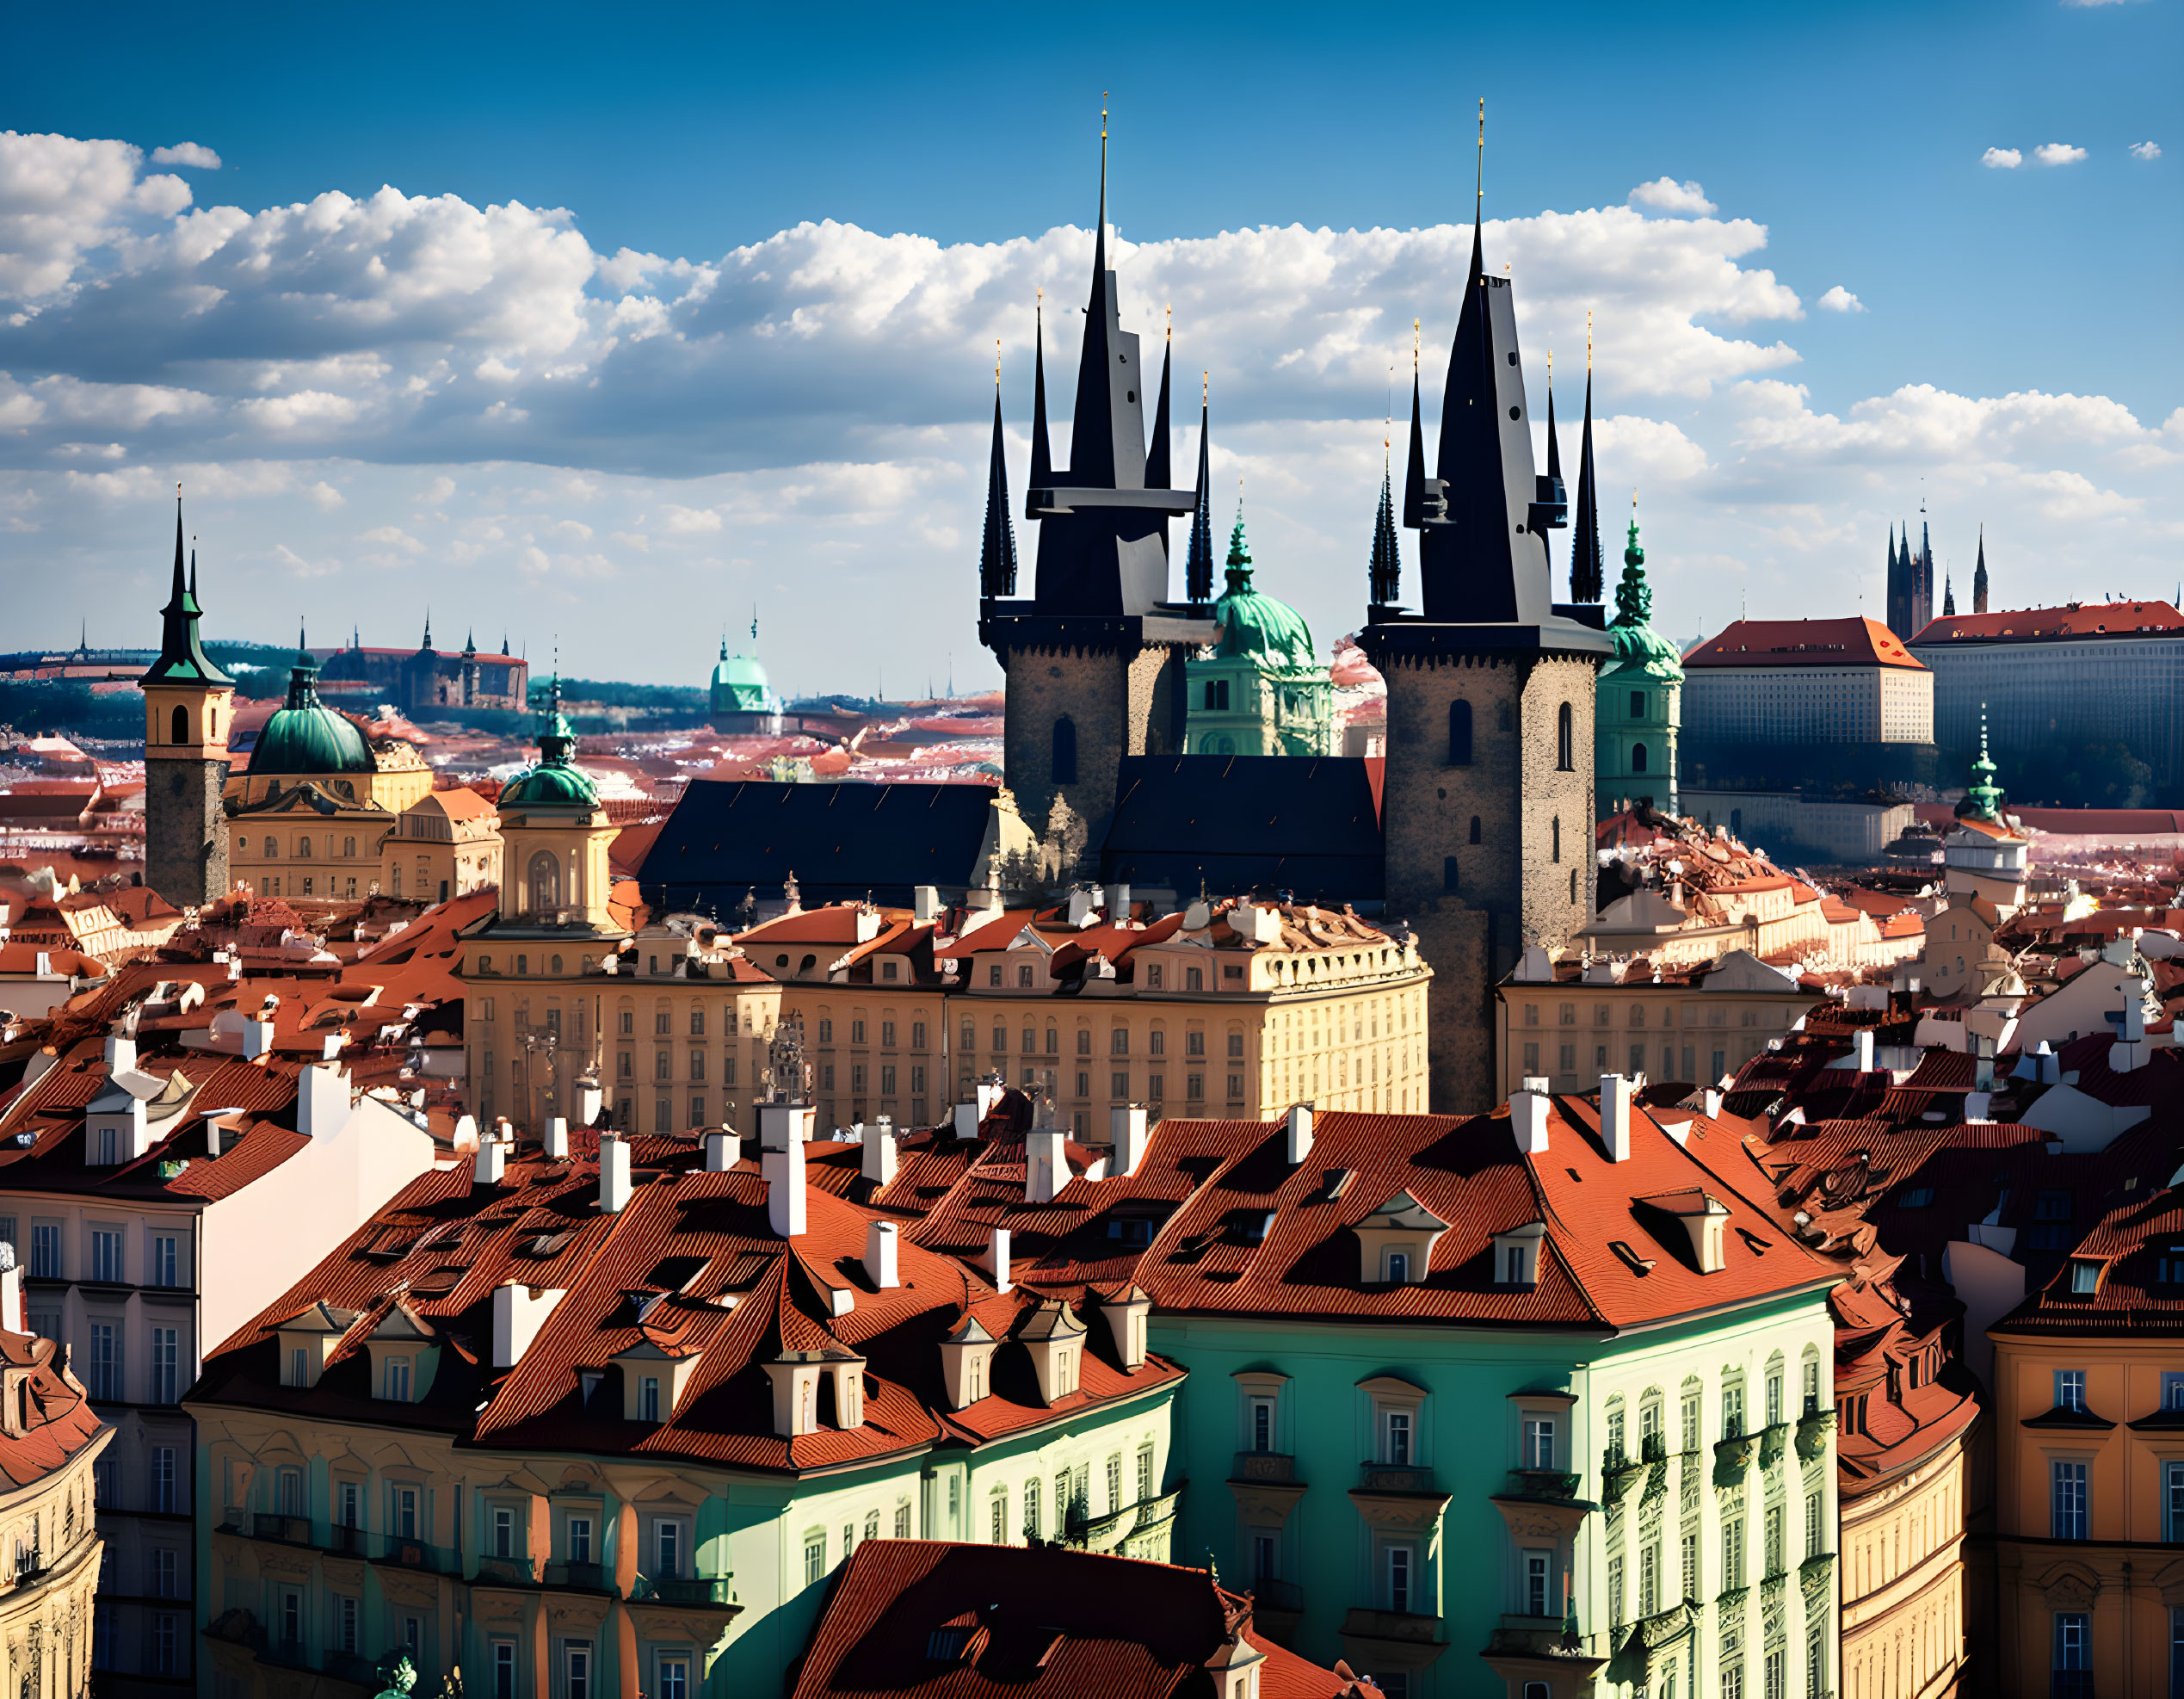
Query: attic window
[(1132, 1231), (1917, 1197), (945, 1646), (2085, 1277), (1254, 1229), (1632, 1260)]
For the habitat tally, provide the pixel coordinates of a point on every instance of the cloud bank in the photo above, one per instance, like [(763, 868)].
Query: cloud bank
[(381, 400)]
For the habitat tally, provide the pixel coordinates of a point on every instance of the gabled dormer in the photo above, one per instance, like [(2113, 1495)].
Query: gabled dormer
[(1055, 1339), (966, 1362), (404, 1351), (1516, 1254), (1395, 1242), (653, 1380), (1703, 1217), (307, 1340), (1125, 1314)]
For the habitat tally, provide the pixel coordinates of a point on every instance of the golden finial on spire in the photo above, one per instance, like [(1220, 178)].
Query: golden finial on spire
[(1170, 310), (1414, 346), (1482, 148), (997, 362), (1205, 387), (1588, 342)]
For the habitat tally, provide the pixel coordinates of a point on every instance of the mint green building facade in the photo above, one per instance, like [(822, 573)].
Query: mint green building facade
[(1466, 1510)]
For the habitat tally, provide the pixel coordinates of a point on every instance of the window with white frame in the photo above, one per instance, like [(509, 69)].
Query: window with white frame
[(1538, 1447), (576, 1670), (1399, 1572), (500, 1530), (504, 1666), (670, 1546), (1539, 1583), (401, 1520), (671, 1676), (2070, 1389)]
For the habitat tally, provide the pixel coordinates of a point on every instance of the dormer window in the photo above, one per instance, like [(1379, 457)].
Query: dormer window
[(1395, 1242), (394, 1383), (648, 1398), (1516, 1255), (2085, 1277), (1396, 1267)]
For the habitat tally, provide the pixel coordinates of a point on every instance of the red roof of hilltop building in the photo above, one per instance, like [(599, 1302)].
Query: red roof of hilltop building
[(2072, 619), (1810, 643)]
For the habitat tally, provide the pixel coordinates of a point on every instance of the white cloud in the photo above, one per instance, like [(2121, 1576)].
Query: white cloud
[(1666, 195), (392, 537), (324, 497), (1840, 299), (194, 155), (2146, 150), (689, 521), (2002, 158), (2058, 153)]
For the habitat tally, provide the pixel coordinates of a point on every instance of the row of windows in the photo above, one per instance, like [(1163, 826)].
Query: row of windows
[(104, 1259), (1460, 752)]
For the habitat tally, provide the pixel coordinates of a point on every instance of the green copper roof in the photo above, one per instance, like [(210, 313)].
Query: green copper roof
[(556, 782), (1255, 626), (305, 736), (1985, 797), (1637, 645), (740, 681)]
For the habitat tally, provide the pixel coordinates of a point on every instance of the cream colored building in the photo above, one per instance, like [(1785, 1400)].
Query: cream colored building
[(50, 1446), (447, 843), (1236, 1011), (1570, 1022)]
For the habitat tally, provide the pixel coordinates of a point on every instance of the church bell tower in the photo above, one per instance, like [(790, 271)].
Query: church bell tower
[(187, 711), (1487, 805)]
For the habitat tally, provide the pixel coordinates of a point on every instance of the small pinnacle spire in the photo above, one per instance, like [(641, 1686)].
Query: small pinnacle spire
[(1198, 559), (1414, 474), (1588, 566), (1042, 459)]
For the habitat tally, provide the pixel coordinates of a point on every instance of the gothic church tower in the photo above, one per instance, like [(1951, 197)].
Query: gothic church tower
[(1487, 805), (187, 713)]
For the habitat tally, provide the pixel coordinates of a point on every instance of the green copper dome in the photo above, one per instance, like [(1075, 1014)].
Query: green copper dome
[(304, 735), (1255, 626), (556, 782), (1637, 645)]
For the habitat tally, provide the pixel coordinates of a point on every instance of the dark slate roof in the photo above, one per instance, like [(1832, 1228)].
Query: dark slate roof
[(840, 841), (1308, 824)]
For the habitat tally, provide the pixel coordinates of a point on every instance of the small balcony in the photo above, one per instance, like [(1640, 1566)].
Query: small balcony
[(507, 1572), (1395, 1478), (1774, 1445), (1401, 1628), (1267, 1466), (1733, 1455), (395, 1552), (1556, 1484), (588, 1578), (686, 1589), (1813, 1428)]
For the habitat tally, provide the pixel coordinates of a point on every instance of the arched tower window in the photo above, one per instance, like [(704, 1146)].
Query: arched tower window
[(1459, 733), (182, 725), (1475, 829), (545, 881), (1064, 762), (1565, 740), (1638, 758)]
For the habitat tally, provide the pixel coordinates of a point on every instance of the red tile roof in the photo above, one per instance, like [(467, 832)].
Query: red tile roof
[(920, 1619), (1782, 643), (55, 1416), (2072, 619)]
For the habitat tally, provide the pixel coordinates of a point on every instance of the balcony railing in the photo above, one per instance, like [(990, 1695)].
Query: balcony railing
[(509, 1571), (1395, 1478), (2070, 1684), (1275, 1466), (1813, 1428), (586, 1576), (1774, 1443), (1398, 1625), (1558, 1484), (686, 1589)]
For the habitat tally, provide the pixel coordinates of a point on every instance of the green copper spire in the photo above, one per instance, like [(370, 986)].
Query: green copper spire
[(183, 659), (556, 782), (1239, 564), (1633, 596), (1984, 795)]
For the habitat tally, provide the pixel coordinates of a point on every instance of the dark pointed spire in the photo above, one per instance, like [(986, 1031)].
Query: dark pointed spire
[(1156, 457), (183, 659), (1107, 438), (998, 550), (1384, 575), (1485, 561), (1554, 445), (1042, 458), (1198, 562), (303, 676), (1588, 565), (1979, 575), (1949, 596), (1414, 472)]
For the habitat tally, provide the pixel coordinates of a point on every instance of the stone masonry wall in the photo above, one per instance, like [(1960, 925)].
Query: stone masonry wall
[(185, 832)]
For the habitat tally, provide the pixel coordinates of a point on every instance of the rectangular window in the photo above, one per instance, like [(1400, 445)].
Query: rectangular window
[(1263, 1419), (344, 1624), (578, 1535), (106, 1254), (1772, 1534), (1690, 1555), (165, 1270), (1539, 1442), (815, 1558), (165, 1497), (1615, 1589), (348, 1504), (1732, 1552), (501, 1536), (106, 1360), (166, 1644), (675, 1677), (576, 1669), (1732, 1412), (1400, 1579), (401, 1512), (1119, 1087), (2070, 1389), (503, 1669), (1395, 1437), (2172, 1390), (397, 1376), (1815, 1532), (1115, 1485), (2073, 1652), (1648, 1581), (1537, 1580), (166, 1365), (667, 1547), (2066, 1500)]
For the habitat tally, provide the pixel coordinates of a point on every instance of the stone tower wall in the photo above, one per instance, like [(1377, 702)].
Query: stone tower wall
[(1121, 703), (1511, 888), (185, 830)]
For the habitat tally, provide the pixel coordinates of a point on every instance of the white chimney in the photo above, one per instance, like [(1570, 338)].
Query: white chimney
[(10, 1291), (257, 1039), (589, 1098), (1045, 1168), (876, 1161), (1862, 1049), (784, 1202), (995, 1260), (880, 1247), (1714, 1102), (1978, 1105), (491, 1163), (556, 1138), (723, 1151), (322, 1100), (1528, 1121), (519, 1312), (1615, 1116), (1118, 902), (465, 1134), (780, 1125), (1126, 1129), (925, 904), (45, 969), (613, 1175), (120, 1054), (1299, 1144)]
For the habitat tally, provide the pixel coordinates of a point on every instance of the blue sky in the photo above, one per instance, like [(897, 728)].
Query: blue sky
[(1852, 136)]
